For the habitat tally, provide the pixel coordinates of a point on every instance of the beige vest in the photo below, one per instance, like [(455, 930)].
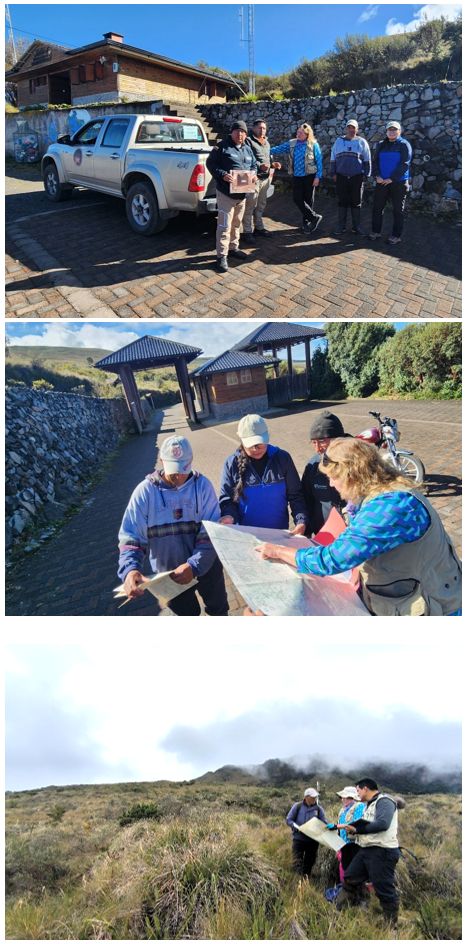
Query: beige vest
[(423, 578), (388, 838), (310, 163)]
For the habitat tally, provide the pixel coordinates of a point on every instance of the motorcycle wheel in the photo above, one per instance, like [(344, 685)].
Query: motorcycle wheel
[(412, 467)]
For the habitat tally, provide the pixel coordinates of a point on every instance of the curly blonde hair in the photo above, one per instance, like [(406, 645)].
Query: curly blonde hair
[(309, 132), (360, 467)]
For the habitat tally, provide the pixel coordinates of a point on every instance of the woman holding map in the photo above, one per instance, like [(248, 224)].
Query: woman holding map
[(408, 565), (259, 482)]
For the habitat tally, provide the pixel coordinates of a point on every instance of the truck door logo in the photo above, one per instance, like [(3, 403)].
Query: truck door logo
[(78, 157)]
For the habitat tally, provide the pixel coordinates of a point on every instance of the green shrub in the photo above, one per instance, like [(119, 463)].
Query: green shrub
[(57, 813), (139, 811), (42, 385)]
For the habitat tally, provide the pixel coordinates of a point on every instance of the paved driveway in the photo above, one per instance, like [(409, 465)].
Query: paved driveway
[(80, 259), (74, 573)]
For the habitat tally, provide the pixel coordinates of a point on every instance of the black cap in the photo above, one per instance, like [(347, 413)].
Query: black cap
[(326, 426), (239, 126)]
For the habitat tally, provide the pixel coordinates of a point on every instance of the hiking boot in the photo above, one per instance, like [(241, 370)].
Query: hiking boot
[(221, 264), (315, 223), (238, 254), (248, 238), (263, 232), (374, 236), (393, 240), (391, 913)]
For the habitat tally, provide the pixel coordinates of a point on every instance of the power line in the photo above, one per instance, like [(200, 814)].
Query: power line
[(16, 29)]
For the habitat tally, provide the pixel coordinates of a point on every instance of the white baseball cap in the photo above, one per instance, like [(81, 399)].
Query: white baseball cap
[(176, 455), (252, 430), (393, 124), (353, 122), (311, 792), (348, 792)]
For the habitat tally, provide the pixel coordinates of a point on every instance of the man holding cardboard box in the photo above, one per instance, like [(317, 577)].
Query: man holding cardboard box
[(233, 166)]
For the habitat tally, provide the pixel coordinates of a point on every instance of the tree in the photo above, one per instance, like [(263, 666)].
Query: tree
[(324, 381), (422, 359), (352, 353), (21, 44)]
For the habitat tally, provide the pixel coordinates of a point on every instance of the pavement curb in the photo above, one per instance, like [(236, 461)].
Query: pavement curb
[(84, 302)]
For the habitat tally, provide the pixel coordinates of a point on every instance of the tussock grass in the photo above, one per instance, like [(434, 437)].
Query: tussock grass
[(216, 865)]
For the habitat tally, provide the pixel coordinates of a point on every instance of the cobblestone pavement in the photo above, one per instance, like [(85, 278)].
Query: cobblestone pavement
[(74, 572), (81, 259)]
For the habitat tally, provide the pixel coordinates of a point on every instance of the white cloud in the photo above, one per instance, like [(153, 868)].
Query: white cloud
[(64, 335), (431, 11), (369, 12), (130, 710), (213, 337)]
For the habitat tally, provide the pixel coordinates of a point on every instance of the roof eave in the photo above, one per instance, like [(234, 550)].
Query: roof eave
[(136, 53)]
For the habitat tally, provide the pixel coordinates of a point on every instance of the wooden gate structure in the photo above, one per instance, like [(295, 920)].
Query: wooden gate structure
[(146, 353), (276, 336)]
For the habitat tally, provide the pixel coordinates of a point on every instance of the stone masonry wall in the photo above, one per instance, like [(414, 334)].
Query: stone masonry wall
[(54, 443), (430, 116)]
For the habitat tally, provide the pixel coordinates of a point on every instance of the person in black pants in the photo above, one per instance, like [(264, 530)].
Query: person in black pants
[(305, 165), (376, 836), (392, 171), (304, 848)]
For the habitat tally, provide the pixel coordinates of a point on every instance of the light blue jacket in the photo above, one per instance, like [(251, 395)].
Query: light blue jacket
[(165, 523)]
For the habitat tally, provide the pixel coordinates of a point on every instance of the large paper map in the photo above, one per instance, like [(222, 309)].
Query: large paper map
[(275, 588), (316, 829)]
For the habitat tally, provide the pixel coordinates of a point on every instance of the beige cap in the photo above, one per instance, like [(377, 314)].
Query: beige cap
[(252, 430)]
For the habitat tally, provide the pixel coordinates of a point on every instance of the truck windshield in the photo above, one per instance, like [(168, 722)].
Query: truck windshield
[(162, 132)]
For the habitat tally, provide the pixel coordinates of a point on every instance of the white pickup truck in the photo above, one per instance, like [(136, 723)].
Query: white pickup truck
[(156, 163)]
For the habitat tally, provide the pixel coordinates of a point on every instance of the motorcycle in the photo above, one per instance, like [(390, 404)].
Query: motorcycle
[(384, 437)]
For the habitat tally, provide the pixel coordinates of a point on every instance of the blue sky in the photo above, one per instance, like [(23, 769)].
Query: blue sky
[(212, 336), (190, 32)]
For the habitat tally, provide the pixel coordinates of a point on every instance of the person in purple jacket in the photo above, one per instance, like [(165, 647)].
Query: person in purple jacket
[(304, 848), (392, 171), (163, 521)]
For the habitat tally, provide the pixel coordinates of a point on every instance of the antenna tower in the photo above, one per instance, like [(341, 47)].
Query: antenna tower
[(250, 40), (10, 27)]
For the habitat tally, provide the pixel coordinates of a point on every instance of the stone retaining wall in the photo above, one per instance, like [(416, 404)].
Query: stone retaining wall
[(54, 444), (430, 116)]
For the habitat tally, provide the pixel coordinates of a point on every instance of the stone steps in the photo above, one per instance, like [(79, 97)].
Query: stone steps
[(182, 109)]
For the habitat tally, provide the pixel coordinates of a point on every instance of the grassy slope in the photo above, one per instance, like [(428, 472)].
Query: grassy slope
[(68, 369), (214, 865)]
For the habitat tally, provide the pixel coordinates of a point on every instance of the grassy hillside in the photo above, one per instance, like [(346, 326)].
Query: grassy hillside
[(207, 861), (72, 370)]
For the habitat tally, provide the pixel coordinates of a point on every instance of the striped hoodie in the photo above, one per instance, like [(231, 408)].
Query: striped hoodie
[(165, 524)]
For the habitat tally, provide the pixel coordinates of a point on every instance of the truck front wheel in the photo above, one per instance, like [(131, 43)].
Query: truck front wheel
[(55, 190), (142, 210)]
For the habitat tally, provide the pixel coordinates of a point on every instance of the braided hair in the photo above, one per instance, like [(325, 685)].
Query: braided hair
[(242, 465)]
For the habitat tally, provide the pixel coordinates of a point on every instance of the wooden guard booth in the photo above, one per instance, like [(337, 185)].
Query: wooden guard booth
[(150, 353), (273, 336)]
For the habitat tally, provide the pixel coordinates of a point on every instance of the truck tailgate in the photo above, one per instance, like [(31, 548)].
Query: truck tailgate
[(172, 169)]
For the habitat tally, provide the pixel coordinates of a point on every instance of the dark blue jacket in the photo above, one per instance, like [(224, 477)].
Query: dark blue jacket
[(230, 157), (392, 159), (264, 501)]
